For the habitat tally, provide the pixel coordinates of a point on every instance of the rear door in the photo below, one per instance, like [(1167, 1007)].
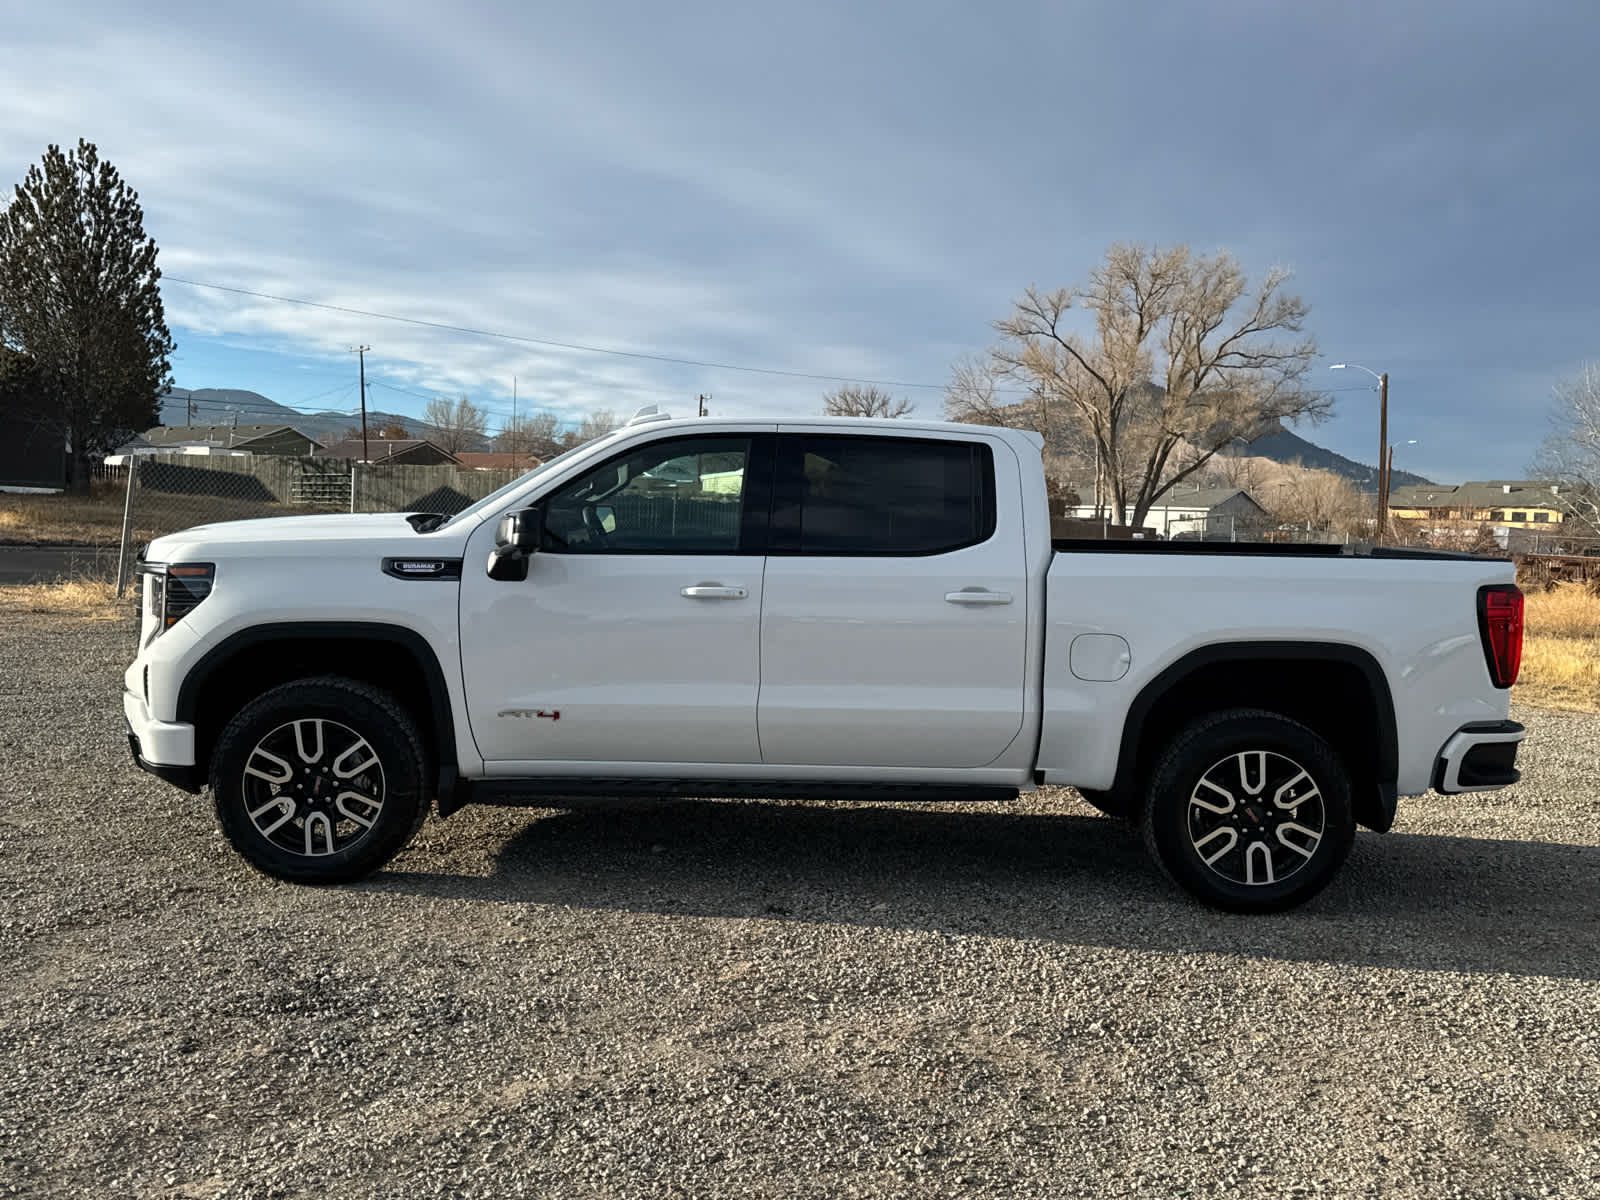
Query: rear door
[(894, 616)]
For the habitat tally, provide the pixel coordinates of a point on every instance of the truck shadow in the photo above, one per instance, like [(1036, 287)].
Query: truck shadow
[(1402, 900)]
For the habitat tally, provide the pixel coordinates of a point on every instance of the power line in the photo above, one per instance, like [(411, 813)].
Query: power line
[(533, 341)]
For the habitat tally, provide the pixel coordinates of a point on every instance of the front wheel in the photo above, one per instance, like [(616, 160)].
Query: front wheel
[(1249, 811), (320, 780)]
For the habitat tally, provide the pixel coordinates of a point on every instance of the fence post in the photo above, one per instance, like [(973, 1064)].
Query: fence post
[(352, 485), (127, 519)]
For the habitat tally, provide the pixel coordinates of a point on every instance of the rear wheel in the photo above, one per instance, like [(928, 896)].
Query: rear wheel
[(1249, 811), (320, 781)]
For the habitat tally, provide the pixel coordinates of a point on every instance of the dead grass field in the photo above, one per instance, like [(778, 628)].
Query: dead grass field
[(1561, 650), (96, 519), (72, 599)]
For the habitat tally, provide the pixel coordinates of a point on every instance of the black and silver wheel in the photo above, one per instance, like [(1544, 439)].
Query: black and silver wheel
[(320, 781), (1249, 811)]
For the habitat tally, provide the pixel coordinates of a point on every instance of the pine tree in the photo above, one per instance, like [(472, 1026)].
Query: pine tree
[(80, 296)]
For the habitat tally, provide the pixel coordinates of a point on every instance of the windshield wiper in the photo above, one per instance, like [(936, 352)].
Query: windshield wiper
[(425, 522)]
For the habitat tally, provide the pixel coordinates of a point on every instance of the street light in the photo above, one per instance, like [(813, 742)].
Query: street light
[(1383, 441)]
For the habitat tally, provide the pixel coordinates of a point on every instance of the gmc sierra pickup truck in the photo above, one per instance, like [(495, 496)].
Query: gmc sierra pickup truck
[(813, 608)]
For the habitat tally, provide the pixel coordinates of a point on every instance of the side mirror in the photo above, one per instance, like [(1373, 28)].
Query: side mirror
[(516, 537), (520, 531)]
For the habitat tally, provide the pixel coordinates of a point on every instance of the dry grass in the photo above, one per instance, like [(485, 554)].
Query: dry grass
[(64, 518), (1561, 650), (82, 599), (96, 519)]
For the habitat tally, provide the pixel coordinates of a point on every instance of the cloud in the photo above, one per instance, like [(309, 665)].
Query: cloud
[(836, 189)]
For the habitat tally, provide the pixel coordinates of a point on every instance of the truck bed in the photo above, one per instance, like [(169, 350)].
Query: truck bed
[(1258, 549)]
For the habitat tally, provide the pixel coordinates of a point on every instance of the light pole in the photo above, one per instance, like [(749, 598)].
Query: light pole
[(1383, 442)]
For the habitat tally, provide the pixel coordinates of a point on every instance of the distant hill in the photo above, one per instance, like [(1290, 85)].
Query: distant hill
[(216, 406), (1284, 447)]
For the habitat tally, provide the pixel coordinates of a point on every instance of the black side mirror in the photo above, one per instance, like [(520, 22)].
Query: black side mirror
[(520, 531), (516, 537)]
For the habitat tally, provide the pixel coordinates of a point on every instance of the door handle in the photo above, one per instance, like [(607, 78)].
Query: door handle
[(713, 591), (978, 596)]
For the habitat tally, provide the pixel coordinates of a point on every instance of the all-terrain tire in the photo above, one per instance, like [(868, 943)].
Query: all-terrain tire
[(1249, 811), (320, 780)]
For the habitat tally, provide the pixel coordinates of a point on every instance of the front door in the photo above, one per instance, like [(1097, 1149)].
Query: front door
[(635, 637), (894, 623)]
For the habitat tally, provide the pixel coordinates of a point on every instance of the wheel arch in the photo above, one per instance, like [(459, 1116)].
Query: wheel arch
[(1337, 690), (400, 660)]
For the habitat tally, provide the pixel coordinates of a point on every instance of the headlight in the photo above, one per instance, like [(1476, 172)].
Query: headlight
[(175, 589)]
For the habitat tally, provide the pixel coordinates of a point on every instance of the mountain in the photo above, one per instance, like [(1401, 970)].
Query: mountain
[(218, 406), (1281, 446)]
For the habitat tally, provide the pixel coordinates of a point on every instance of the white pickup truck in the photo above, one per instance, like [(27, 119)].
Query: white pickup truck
[(833, 608)]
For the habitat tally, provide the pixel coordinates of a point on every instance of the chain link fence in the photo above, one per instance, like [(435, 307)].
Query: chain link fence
[(165, 493)]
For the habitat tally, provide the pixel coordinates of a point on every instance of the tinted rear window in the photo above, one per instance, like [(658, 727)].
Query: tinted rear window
[(880, 495)]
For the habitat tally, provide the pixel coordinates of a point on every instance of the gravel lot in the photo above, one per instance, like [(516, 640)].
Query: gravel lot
[(731, 999)]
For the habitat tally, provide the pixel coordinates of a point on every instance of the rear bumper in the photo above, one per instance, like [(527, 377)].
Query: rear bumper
[(1479, 757), (165, 749)]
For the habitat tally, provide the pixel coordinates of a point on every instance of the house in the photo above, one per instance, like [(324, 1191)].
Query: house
[(497, 460), (250, 439), (1218, 512), (1501, 503), (138, 446), (413, 452)]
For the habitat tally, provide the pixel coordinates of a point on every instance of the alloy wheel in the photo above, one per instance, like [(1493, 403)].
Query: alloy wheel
[(313, 787), (1256, 817)]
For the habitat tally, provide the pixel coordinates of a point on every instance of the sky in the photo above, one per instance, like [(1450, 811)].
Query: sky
[(834, 190)]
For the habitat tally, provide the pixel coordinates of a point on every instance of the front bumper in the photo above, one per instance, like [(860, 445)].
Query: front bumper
[(1479, 757), (165, 749)]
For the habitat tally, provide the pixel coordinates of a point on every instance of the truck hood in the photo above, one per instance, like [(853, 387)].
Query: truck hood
[(226, 538)]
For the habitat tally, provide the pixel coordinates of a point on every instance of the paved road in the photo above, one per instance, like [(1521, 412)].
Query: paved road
[(40, 564)]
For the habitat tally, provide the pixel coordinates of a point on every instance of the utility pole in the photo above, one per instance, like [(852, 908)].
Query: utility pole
[(1383, 455), (511, 442), (361, 353), (189, 417), (704, 396)]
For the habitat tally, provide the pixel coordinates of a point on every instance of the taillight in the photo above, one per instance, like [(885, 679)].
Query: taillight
[(1500, 626)]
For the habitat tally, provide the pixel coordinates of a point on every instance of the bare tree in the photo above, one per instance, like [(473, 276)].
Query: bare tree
[(601, 420), (1570, 454), (531, 434), (1313, 499), (862, 400), (455, 425), (1182, 362)]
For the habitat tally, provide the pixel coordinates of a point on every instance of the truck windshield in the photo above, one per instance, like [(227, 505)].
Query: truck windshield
[(494, 497)]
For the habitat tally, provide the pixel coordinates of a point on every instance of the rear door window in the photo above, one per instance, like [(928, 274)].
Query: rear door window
[(842, 495)]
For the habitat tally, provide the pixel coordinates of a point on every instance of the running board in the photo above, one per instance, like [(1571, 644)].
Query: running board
[(559, 791)]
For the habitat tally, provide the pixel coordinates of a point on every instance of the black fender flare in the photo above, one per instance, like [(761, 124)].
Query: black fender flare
[(409, 641), (1377, 812)]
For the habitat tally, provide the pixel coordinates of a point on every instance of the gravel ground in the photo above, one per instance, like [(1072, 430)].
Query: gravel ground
[(750, 999)]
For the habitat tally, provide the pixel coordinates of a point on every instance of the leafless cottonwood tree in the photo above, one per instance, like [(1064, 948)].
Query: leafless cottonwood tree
[(1183, 359), (860, 400), (532, 434), (454, 425), (1571, 450), (593, 424), (1314, 499)]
